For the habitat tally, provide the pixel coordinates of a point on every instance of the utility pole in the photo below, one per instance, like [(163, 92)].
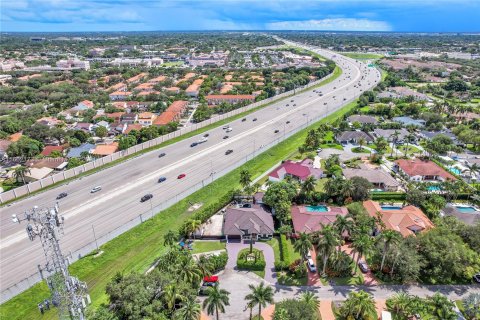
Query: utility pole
[(69, 294)]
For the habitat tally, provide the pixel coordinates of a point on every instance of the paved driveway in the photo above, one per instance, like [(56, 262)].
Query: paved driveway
[(345, 154), (233, 248)]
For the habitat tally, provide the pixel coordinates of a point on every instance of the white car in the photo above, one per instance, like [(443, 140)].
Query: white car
[(229, 129), (311, 265), (204, 139), (96, 189)]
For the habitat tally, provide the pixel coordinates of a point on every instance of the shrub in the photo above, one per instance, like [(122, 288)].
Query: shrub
[(388, 196), (284, 253), (257, 264), (280, 266), (295, 309), (219, 262), (298, 269), (339, 264)]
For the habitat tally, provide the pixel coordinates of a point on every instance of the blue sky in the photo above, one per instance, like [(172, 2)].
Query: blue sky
[(151, 15)]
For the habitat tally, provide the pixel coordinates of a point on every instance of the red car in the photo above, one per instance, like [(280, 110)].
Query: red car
[(181, 176)]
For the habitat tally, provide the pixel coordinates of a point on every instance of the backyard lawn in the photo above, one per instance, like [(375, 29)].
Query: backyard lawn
[(410, 151), (200, 246)]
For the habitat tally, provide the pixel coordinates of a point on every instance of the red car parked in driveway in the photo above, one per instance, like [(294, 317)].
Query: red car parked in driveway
[(181, 176)]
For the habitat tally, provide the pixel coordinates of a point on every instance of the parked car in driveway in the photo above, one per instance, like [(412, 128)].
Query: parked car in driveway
[(161, 179), (363, 266), (181, 176), (311, 265), (476, 278), (146, 197), (96, 189), (161, 155), (62, 195)]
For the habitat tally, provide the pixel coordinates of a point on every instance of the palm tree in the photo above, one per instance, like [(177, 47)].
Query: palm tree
[(190, 310), (205, 266), (302, 245), (170, 238), (190, 272), (361, 143), (20, 173), (216, 301), (326, 243), (260, 295), (310, 299), (442, 307), (388, 237), (308, 185), (472, 170), (400, 304), (245, 178), (171, 295), (191, 226), (342, 224), (394, 137), (359, 305), (348, 189), (361, 246)]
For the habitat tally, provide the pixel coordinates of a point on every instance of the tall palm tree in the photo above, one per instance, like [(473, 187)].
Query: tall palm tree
[(359, 305), (192, 225), (362, 244), (302, 245), (348, 188), (388, 237), (308, 185), (311, 300), (343, 224), (259, 295), (399, 304), (205, 266), (190, 310), (20, 173), (394, 137), (190, 272), (326, 243), (361, 143), (245, 178), (171, 295), (216, 301), (170, 238), (472, 170)]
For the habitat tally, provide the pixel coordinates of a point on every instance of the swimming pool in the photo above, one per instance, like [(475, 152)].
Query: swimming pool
[(433, 188), (455, 170), (466, 209), (316, 208), (391, 207)]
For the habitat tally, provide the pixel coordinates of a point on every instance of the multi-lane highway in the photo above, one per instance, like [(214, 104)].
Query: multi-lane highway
[(124, 184)]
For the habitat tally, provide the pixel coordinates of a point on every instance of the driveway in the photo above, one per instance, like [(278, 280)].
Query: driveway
[(344, 155), (233, 248)]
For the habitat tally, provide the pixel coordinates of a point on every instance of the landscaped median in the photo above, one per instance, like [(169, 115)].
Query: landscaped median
[(136, 249)]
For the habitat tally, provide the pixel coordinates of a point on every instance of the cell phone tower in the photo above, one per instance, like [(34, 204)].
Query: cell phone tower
[(69, 294)]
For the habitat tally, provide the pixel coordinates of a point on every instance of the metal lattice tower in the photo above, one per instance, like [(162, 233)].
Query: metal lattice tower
[(68, 293)]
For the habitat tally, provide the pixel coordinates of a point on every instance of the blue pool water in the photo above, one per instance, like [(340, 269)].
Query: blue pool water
[(467, 209), (390, 207), (433, 188), (455, 170), (317, 208)]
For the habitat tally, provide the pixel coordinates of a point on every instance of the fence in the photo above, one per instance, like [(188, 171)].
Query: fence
[(157, 208), (61, 176)]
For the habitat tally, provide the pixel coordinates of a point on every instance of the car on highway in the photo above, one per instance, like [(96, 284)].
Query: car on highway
[(161, 155), (324, 103), (146, 197), (229, 129), (287, 122), (363, 266), (228, 152), (202, 140), (244, 119), (62, 195), (276, 131), (334, 87), (226, 127), (291, 100), (288, 105), (181, 176), (193, 144), (96, 189), (161, 179), (294, 104), (254, 119), (225, 137), (206, 135)]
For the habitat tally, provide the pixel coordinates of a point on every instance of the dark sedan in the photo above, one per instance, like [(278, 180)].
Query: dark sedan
[(161, 179), (62, 195), (146, 197), (161, 155), (228, 151)]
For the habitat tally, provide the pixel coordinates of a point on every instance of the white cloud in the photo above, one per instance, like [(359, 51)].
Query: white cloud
[(334, 24)]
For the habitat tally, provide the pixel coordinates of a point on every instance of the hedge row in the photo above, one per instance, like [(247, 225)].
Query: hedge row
[(284, 253), (388, 196)]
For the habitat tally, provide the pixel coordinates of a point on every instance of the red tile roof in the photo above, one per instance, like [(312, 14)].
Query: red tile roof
[(172, 112), (301, 170), (130, 127), (49, 149), (418, 167), (304, 221), (231, 96), (405, 220)]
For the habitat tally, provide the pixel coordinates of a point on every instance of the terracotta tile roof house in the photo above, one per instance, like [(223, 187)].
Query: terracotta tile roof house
[(172, 113), (136, 78), (84, 105), (105, 149), (52, 163), (147, 93), (114, 115), (422, 170), (49, 149), (131, 127), (353, 137), (255, 219), (158, 79), (215, 99), (118, 87), (362, 119), (173, 89), (144, 87), (146, 118), (311, 221), (378, 177), (194, 88), (299, 170), (15, 136), (408, 220)]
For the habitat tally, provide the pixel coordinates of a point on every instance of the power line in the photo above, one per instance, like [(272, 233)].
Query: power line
[(69, 294)]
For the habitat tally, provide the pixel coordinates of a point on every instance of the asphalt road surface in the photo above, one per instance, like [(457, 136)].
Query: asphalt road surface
[(124, 184)]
